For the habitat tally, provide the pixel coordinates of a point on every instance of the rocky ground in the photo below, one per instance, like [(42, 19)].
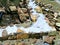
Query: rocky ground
[(28, 42), (24, 42), (52, 18)]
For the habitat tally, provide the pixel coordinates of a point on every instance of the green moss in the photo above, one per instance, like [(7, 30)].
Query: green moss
[(53, 33), (55, 5), (4, 2)]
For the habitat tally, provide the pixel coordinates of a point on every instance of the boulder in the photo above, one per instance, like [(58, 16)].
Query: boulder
[(22, 17), (19, 10), (12, 8), (34, 18), (2, 9), (48, 39), (55, 14), (58, 24), (24, 10), (19, 31), (48, 6), (26, 15), (38, 9)]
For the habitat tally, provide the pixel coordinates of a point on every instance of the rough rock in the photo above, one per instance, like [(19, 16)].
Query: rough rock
[(38, 9), (12, 8)]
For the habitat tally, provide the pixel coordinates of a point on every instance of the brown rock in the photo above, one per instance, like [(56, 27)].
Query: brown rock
[(24, 10), (4, 33), (23, 17), (22, 36), (38, 9), (2, 9), (19, 10), (19, 30), (48, 39), (34, 18)]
